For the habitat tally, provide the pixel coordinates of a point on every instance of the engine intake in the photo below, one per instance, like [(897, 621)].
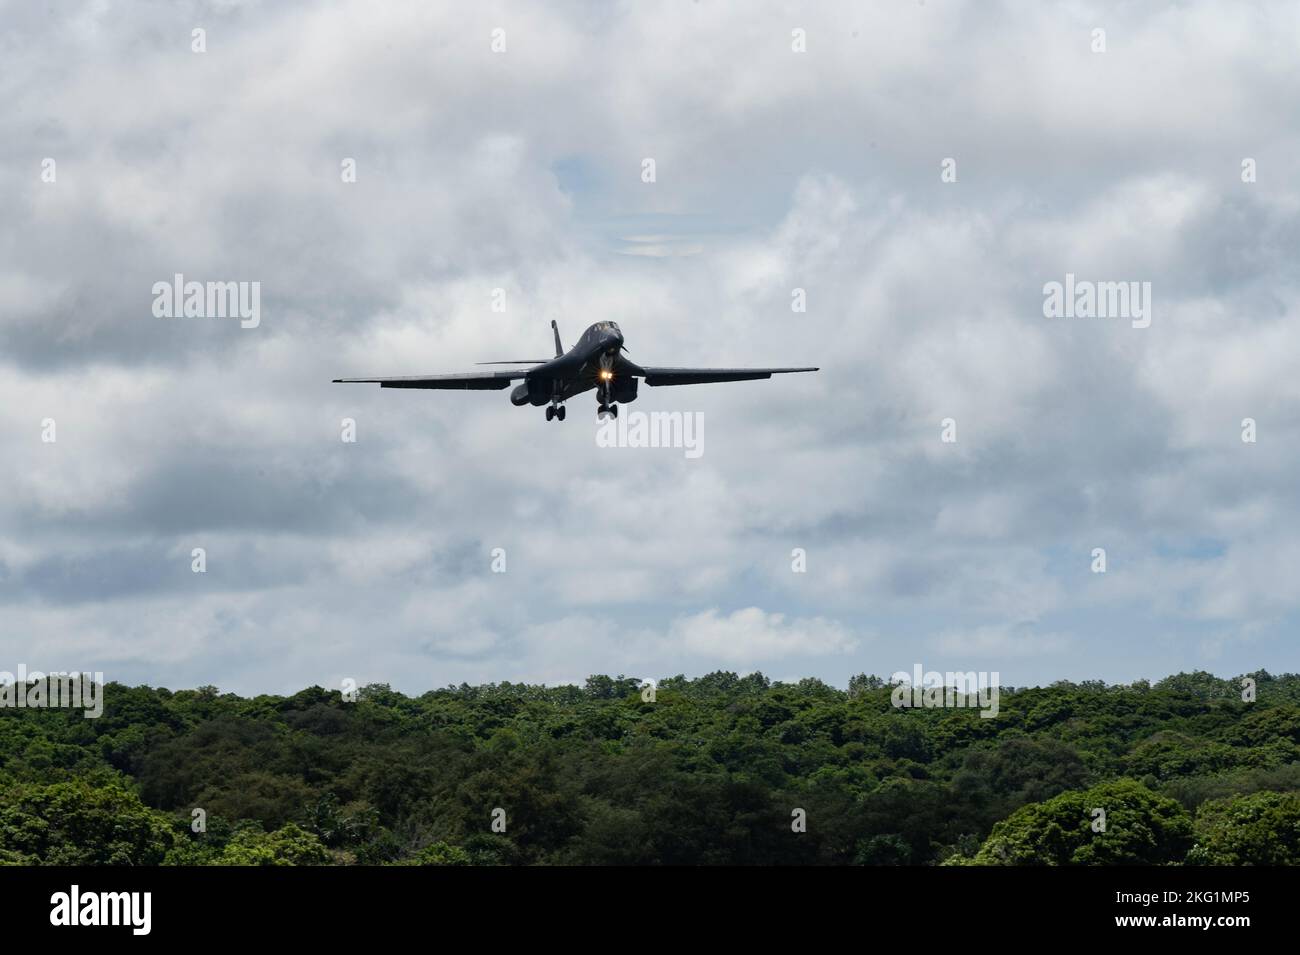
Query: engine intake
[(534, 391), (623, 389)]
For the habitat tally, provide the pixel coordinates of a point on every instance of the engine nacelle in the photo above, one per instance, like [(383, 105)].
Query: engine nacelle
[(534, 391), (623, 389)]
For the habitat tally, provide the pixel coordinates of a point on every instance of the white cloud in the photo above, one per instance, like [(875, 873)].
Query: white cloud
[(775, 171), (754, 634), (1001, 640)]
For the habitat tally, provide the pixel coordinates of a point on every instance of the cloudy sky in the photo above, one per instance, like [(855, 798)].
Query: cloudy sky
[(775, 170)]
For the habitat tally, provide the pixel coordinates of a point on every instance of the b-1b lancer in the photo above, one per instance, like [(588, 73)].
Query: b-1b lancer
[(596, 362)]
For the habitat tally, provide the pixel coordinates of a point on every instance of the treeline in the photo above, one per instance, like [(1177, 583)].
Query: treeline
[(718, 770)]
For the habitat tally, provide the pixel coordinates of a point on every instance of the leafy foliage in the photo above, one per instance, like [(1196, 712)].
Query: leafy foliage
[(1138, 827), (712, 771), (1262, 828), (74, 823)]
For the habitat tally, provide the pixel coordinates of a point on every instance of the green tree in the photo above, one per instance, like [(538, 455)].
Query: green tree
[(1261, 828), (440, 853), (291, 845), (76, 823), (1140, 828)]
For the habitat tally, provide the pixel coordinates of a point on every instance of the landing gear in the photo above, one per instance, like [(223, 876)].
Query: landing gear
[(604, 388), (555, 412)]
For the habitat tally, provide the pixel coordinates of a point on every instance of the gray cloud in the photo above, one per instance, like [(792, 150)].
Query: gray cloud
[(521, 171)]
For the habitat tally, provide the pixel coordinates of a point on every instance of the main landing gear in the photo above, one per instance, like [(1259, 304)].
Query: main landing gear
[(555, 411)]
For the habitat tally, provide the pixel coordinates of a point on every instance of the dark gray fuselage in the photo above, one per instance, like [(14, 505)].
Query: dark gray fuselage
[(596, 361)]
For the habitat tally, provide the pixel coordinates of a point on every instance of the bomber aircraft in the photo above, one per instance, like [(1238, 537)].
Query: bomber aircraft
[(596, 361)]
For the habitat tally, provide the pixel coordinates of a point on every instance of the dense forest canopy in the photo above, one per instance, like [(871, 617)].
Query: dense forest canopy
[(720, 769)]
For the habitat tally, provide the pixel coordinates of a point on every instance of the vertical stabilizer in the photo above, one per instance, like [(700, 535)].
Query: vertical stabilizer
[(559, 349)]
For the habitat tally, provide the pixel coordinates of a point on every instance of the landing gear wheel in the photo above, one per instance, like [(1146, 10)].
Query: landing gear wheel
[(613, 411), (559, 412), (550, 413)]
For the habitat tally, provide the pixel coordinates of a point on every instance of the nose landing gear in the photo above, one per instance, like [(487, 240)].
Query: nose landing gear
[(604, 404)]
